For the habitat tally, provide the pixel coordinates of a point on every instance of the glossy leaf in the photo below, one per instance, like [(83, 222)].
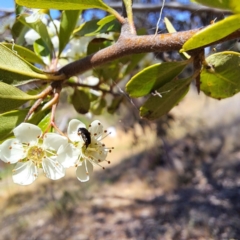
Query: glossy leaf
[(68, 22), (15, 70), (87, 28), (128, 7), (18, 31), (133, 62), (96, 44), (40, 28), (165, 99), (65, 5), (93, 27), (171, 29), (80, 101), (234, 5), (220, 79), (12, 119), (12, 97), (153, 77), (213, 32), (42, 50), (223, 4), (45, 122), (115, 104), (98, 106), (9, 121), (25, 53)]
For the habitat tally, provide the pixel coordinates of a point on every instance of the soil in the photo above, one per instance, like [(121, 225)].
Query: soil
[(185, 185)]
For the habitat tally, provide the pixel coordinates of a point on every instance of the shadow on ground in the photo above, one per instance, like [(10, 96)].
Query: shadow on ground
[(182, 189)]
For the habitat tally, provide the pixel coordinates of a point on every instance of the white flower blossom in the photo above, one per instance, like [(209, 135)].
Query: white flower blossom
[(92, 81), (31, 36), (93, 151), (53, 28), (31, 150), (35, 16)]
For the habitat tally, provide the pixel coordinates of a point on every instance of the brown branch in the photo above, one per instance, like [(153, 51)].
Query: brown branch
[(129, 44)]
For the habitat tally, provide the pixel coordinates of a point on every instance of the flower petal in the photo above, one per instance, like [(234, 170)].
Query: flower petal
[(53, 169), (31, 36), (72, 130), (96, 129), (12, 151), (53, 141), (84, 171), (34, 17), (27, 133), (99, 154), (25, 173), (68, 155)]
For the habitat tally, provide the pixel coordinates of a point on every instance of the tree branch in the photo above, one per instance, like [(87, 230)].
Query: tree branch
[(129, 44)]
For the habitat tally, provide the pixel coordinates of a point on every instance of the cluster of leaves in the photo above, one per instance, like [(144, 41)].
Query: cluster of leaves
[(159, 83)]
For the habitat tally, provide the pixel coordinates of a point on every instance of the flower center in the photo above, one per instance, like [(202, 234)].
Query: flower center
[(36, 154)]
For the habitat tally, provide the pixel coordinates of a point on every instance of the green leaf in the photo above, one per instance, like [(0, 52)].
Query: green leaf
[(25, 53), (93, 27), (87, 28), (9, 121), (68, 22), (80, 101), (98, 106), (96, 44), (166, 98), (171, 29), (15, 70), (128, 6), (223, 4), (42, 50), (212, 33), (12, 119), (115, 104), (133, 62), (40, 28), (65, 5), (220, 79), (18, 31), (11, 97), (45, 122), (153, 77), (234, 5)]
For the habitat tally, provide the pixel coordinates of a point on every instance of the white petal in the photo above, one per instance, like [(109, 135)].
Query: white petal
[(55, 41), (53, 141), (68, 155), (84, 171), (96, 129), (52, 27), (53, 169), (34, 17), (92, 81), (31, 36), (72, 130), (12, 151), (25, 173), (99, 154), (27, 133)]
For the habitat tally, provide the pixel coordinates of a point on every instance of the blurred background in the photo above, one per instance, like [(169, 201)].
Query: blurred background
[(176, 178)]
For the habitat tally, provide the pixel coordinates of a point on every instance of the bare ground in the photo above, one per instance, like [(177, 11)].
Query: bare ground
[(183, 186)]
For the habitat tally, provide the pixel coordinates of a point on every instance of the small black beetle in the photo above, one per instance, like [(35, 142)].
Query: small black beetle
[(86, 136)]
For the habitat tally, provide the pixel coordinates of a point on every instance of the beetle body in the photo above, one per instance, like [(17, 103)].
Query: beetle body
[(86, 136)]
